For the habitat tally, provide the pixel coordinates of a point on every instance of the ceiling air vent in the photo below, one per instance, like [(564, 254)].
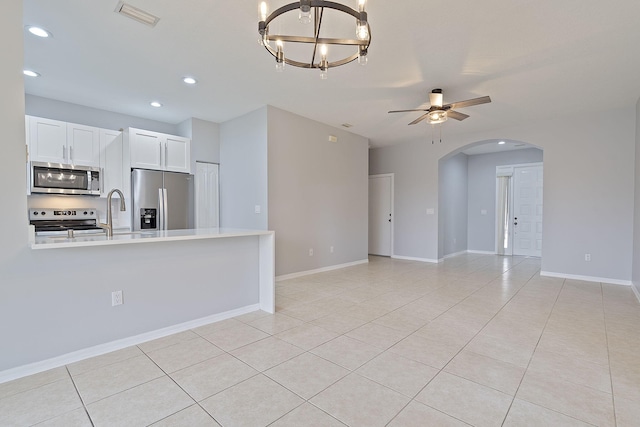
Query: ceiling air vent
[(137, 14)]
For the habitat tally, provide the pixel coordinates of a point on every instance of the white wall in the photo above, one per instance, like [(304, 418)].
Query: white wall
[(416, 183), (636, 222), (588, 190), (482, 193), (318, 193), (453, 204), (74, 113), (243, 171), (205, 140)]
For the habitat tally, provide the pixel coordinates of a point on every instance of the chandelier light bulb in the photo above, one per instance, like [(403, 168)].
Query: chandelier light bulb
[(323, 50), (279, 56), (361, 4), (362, 32), (263, 11), (323, 74), (362, 60)]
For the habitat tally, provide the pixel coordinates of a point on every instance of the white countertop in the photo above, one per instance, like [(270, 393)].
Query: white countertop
[(127, 238)]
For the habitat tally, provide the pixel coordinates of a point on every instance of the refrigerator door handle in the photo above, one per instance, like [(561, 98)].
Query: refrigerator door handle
[(160, 209), (166, 209)]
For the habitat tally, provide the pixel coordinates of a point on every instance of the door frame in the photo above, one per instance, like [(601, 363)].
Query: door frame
[(393, 214), (509, 170)]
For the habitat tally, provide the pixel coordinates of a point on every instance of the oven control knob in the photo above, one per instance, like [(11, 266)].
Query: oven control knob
[(85, 212), (35, 212), (43, 213)]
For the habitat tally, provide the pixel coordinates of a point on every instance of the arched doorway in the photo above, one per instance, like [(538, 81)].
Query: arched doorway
[(482, 188)]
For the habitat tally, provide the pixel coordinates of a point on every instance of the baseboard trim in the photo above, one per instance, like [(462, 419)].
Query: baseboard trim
[(481, 252), (65, 359), (320, 270), (586, 278), (410, 258), (454, 254), (636, 291)]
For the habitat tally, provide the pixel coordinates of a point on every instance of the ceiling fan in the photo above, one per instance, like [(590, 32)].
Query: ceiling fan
[(439, 113)]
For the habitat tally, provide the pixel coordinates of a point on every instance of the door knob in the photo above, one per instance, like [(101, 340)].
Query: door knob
[(389, 220)]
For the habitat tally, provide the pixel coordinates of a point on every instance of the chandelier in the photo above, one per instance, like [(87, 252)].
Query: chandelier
[(315, 53)]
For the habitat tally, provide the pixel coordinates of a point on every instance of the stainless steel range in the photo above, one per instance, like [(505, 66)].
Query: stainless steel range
[(50, 221)]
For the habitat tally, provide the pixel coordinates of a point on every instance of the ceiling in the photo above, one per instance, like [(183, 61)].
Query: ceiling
[(536, 59)]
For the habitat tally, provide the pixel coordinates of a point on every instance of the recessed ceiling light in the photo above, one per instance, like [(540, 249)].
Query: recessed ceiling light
[(501, 143), (156, 104), (30, 73), (189, 80), (40, 32)]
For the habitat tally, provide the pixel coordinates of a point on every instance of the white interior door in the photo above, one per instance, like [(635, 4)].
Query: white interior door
[(207, 197), (380, 215), (527, 211)]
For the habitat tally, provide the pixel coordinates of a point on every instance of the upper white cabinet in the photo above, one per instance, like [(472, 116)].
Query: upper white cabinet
[(83, 145), (159, 151), (54, 141)]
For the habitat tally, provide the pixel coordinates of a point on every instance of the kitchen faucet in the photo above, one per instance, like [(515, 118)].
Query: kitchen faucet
[(108, 227)]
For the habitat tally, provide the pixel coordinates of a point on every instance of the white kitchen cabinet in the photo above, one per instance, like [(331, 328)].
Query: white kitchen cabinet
[(159, 151), (83, 145), (47, 140), (207, 195), (54, 141), (177, 154)]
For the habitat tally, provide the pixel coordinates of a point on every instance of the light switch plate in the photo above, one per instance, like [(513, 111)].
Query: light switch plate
[(258, 209), (430, 211)]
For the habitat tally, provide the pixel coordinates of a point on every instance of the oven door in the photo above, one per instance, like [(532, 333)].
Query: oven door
[(64, 179)]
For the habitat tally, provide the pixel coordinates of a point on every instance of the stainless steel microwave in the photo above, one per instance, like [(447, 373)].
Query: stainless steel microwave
[(53, 178)]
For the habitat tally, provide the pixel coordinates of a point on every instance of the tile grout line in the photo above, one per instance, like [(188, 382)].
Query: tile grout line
[(532, 354), (180, 387), (606, 335), (84, 406)]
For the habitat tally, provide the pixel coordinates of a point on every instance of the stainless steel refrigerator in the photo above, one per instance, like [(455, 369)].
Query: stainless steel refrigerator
[(161, 200)]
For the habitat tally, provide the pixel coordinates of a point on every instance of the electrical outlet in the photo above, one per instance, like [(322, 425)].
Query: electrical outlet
[(331, 249), (310, 251), (587, 257), (116, 298), (257, 209)]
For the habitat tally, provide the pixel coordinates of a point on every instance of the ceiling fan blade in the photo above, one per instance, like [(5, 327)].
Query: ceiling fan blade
[(468, 102), (408, 111), (419, 119), (456, 115)]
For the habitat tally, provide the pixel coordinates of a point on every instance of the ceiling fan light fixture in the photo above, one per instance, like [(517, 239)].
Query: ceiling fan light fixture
[(437, 116), (436, 98)]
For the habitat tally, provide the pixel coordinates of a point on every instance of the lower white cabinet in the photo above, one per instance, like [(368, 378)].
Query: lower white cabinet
[(207, 195)]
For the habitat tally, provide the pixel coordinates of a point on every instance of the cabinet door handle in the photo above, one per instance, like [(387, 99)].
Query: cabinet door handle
[(166, 152), (64, 153), (71, 154), (160, 152)]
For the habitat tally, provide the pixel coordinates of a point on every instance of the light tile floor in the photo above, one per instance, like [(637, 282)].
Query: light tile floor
[(477, 340)]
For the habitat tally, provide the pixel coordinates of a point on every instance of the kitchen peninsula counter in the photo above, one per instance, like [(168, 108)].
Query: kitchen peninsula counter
[(127, 238), (170, 282)]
